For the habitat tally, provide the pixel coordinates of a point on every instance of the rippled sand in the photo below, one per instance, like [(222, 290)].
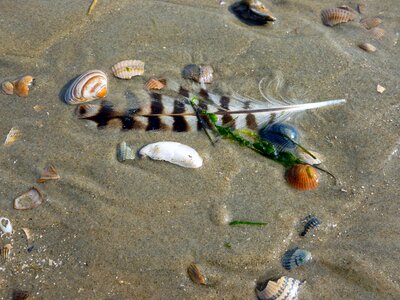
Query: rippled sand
[(128, 231)]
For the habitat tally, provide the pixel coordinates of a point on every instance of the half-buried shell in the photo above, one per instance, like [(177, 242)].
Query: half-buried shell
[(285, 288), (89, 86), (155, 84), (7, 87), (29, 200), (127, 69), (334, 16), (295, 258), (377, 32), (48, 173), (303, 177), (195, 274), (23, 85), (370, 22), (252, 12), (13, 135)]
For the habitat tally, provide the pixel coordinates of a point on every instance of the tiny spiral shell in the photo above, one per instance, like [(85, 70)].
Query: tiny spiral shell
[(89, 86), (334, 16), (303, 177)]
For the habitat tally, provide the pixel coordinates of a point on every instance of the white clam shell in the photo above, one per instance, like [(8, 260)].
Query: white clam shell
[(89, 86), (127, 69), (176, 153), (5, 226)]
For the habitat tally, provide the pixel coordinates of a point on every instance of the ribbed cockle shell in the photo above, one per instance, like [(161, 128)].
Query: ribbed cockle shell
[(334, 16), (303, 177), (89, 86), (127, 69)]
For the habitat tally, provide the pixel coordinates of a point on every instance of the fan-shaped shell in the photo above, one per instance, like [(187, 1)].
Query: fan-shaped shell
[(23, 85), (334, 16), (155, 84), (31, 199), (285, 288), (367, 47), (195, 274), (370, 22), (7, 87), (48, 173), (312, 223), (295, 258), (89, 86), (6, 251), (303, 177), (377, 32), (127, 69), (281, 135)]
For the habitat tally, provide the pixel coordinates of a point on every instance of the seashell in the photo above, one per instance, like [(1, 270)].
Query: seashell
[(21, 295), (5, 226), (124, 152), (312, 223), (176, 153), (206, 74), (276, 135), (49, 173), (29, 238), (367, 47), (12, 136), (285, 288), (195, 274), (155, 84), (380, 89), (361, 8), (23, 85), (7, 87), (295, 258), (192, 72), (89, 86), (6, 251), (370, 22), (308, 159), (377, 32), (253, 11), (303, 177), (127, 69), (29, 200), (334, 16)]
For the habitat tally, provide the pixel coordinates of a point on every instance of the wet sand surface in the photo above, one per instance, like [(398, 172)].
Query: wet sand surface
[(129, 231)]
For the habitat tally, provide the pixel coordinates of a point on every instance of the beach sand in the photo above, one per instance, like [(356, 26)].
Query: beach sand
[(129, 231)]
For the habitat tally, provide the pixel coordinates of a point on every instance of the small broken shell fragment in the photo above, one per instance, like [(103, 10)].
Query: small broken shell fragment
[(12, 136), (295, 258), (48, 173), (175, 153), (367, 47), (155, 84), (334, 16), (370, 23), (21, 295), (23, 85), (377, 32), (127, 69), (5, 226), (7, 87), (198, 73), (195, 274), (124, 152), (206, 74), (312, 223), (29, 238), (6, 251), (380, 89), (361, 8), (29, 200), (284, 288), (308, 159), (303, 177)]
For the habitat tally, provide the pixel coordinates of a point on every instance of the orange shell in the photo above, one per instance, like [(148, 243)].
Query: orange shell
[(303, 177), (334, 16), (155, 84), (370, 22), (7, 87), (22, 86)]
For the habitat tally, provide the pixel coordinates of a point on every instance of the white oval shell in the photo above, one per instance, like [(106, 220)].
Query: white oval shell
[(29, 200), (6, 226), (176, 153), (127, 69), (89, 86)]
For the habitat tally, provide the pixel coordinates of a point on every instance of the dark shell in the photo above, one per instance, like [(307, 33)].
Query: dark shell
[(21, 295), (295, 258), (334, 16), (252, 12), (192, 72), (276, 135), (312, 223), (284, 288)]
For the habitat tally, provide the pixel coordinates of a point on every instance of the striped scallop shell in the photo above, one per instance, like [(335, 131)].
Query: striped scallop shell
[(377, 32), (303, 177), (295, 258), (155, 84), (127, 69), (284, 288), (334, 16), (89, 86), (370, 22)]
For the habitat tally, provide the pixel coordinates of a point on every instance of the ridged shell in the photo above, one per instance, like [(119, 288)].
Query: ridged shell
[(23, 85), (276, 135), (195, 274), (7, 87), (13, 135), (312, 223), (370, 22), (124, 152), (334, 16), (176, 153), (295, 258), (6, 251), (303, 177), (89, 86), (155, 84), (127, 69), (285, 288), (206, 74), (48, 173), (5, 226), (29, 200), (367, 47), (377, 32)]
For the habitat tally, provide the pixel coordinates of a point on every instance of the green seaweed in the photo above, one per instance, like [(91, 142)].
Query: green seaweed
[(234, 223), (227, 245)]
